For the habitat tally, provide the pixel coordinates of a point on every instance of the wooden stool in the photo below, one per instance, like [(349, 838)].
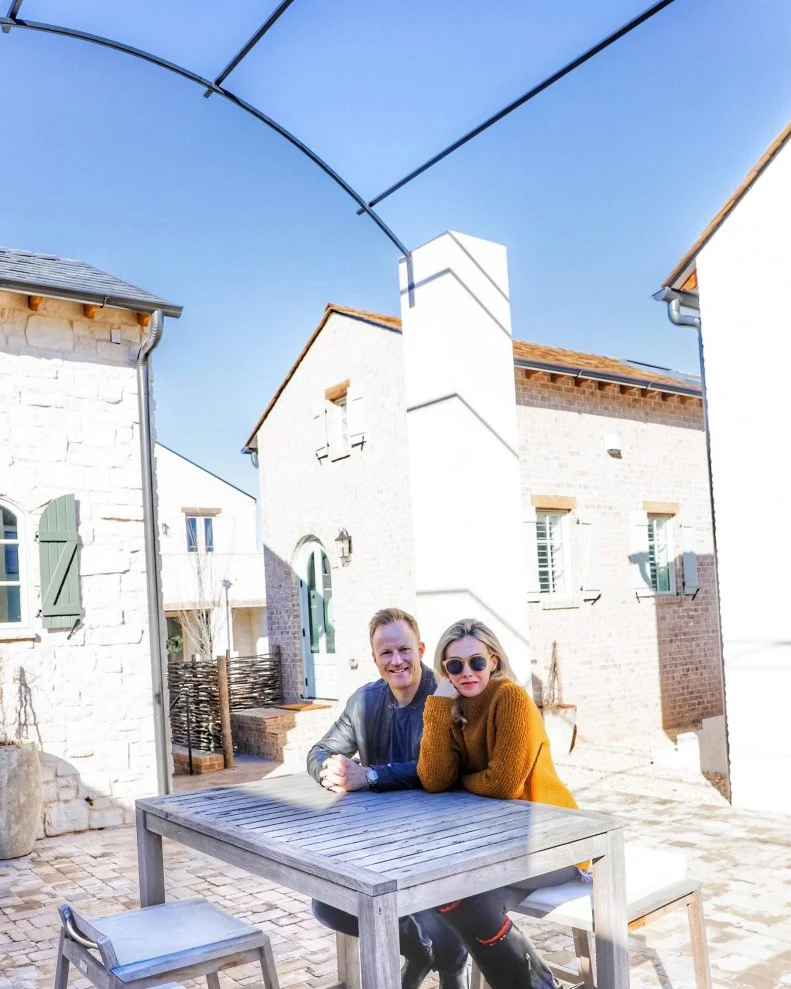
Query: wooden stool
[(656, 882), (141, 948)]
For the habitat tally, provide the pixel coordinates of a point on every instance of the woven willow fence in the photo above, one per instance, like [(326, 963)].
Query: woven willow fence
[(253, 681)]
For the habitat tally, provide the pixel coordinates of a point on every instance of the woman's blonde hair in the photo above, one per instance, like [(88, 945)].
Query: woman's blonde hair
[(476, 629)]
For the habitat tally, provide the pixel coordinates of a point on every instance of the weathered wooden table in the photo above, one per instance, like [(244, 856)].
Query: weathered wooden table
[(383, 855)]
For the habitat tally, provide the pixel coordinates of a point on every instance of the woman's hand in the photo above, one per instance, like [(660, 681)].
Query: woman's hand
[(445, 689)]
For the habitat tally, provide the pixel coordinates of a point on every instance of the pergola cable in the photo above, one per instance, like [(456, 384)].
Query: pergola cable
[(9, 22), (521, 100)]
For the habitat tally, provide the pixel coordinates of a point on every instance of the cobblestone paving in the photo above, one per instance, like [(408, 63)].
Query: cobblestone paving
[(743, 858)]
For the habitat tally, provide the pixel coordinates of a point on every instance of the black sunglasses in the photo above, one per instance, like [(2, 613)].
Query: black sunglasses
[(455, 666)]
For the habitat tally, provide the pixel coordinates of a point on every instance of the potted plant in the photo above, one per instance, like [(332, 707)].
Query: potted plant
[(20, 790), (560, 720)]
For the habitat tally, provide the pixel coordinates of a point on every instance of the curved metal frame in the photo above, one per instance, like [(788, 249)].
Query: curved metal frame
[(11, 20), (6, 23)]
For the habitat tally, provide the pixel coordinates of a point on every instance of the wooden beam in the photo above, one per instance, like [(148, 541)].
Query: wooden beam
[(143, 319), (338, 391), (660, 507), (561, 503), (531, 372), (89, 310), (691, 284), (34, 302), (554, 378), (690, 400), (603, 385), (628, 389), (667, 396), (579, 382)]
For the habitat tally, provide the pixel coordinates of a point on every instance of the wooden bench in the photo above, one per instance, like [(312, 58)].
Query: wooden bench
[(656, 883), (183, 939)]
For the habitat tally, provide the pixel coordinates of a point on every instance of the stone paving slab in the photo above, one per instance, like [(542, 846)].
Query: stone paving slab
[(743, 859)]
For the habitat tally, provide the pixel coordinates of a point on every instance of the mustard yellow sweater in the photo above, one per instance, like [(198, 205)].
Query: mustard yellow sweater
[(502, 751)]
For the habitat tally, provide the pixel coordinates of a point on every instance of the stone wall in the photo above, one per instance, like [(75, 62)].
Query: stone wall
[(69, 425), (633, 666)]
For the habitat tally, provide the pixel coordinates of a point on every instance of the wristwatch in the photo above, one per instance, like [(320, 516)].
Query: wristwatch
[(373, 778)]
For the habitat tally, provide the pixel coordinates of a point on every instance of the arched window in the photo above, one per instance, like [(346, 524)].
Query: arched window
[(12, 590)]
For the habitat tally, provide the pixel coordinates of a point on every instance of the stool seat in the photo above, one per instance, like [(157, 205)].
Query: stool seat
[(139, 948), (168, 934), (656, 882), (649, 872)]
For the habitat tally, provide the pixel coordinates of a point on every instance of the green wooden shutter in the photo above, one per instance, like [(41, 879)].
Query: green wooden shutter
[(59, 554)]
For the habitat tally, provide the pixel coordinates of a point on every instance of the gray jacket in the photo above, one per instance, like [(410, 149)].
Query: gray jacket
[(366, 728)]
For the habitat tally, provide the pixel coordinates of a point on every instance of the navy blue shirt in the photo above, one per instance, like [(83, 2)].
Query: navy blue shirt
[(400, 747)]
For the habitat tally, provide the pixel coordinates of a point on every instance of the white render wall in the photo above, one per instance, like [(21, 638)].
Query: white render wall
[(69, 424), (367, 493), (463, 446), (194, 580), (744, 273)]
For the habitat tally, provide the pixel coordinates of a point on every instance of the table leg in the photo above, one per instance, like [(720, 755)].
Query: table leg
[(150, 866), (609, 915), (380, 961), (348, 952)]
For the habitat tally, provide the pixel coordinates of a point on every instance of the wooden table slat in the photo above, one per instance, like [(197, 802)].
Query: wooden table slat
[(381, 855)]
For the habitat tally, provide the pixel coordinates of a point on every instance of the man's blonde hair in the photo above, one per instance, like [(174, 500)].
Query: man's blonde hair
[(389, 616)]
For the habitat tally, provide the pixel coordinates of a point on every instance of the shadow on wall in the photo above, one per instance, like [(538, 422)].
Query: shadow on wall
[(69, 802), (690, 670)]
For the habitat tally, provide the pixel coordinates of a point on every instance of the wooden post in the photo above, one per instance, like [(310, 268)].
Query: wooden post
[(225, 710)]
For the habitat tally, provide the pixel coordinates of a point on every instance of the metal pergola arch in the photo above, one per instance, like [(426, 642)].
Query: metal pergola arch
[(209, 86), (12, 20)]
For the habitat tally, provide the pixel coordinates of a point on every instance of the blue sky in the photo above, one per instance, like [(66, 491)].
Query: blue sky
[(597, 186)]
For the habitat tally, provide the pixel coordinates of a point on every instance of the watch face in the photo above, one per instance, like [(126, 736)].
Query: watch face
[(373, 777)]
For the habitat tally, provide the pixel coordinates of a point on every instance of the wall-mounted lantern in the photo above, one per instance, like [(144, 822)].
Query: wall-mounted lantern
[(343, 543)]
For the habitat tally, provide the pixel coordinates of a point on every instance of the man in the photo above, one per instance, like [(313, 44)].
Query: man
[(382, 725)]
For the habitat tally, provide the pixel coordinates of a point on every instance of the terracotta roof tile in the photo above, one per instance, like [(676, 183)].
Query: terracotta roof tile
[(678, 277), (561, 360), (574, 360), (391, 322)]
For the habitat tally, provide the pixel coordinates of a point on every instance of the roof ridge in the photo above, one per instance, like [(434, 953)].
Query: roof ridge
[(684, 267)]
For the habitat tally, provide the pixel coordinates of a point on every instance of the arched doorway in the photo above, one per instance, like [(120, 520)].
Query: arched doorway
[(317, 620)]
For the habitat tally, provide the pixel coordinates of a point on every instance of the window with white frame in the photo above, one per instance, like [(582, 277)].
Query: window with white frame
[(338, 412), (200, 533), (660, 554), (552, 551), (339, 423), (11, 567)]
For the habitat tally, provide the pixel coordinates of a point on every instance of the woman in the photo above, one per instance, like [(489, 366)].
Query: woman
[(482, 731)]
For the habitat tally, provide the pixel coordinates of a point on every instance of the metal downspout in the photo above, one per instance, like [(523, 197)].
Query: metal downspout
[(153, 563), (677, 318)]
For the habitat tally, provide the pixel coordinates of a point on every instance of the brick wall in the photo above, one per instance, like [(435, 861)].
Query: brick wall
[(631, 665), (69, 425), (367, 493)]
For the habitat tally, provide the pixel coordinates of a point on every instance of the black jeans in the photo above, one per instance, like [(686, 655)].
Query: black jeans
[(486, 914), (414, 931)]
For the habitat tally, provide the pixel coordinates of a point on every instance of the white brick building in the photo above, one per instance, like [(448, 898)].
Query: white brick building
[(75, 630), (614, 558)]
